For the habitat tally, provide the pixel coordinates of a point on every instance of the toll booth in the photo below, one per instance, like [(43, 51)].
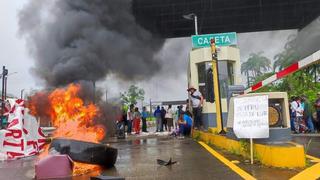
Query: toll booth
[(200, 61), (279, 118)]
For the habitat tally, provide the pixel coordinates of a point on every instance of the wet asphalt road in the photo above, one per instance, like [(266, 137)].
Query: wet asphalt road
[(194, 162), (137, 160)]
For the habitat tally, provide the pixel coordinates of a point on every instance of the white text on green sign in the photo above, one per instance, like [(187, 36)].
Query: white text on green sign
[(221, 39)]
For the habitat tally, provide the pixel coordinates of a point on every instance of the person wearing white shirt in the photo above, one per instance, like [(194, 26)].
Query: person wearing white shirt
[(130, 118), (297, 109), (169, 117), (196, 102)]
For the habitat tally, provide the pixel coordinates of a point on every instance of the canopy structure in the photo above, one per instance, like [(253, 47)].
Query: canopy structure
[(164, 17)]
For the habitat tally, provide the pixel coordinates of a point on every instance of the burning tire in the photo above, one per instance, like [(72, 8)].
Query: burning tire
[(86, 152)]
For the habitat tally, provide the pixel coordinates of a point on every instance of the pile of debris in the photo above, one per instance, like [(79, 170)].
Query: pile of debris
[(64, 153)]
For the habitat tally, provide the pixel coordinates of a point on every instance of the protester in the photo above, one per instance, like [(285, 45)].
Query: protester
[(121, 124), (317, 107), (292, 113), (307, 114), (130, 118), (169, 117), (196, 103), (124, 118), (163, 119), (298, 110), (157, 115), (188, 105), (136, 120), (185, 124), (144, 116), (176, 116)]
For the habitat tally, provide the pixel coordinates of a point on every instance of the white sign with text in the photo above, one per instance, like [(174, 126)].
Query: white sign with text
[(251, 117)]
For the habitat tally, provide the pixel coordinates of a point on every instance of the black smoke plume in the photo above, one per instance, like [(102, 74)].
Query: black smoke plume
[(73, 40), (308, 39)]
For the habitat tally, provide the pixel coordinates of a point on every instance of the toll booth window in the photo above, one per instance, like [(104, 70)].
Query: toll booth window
[(230, 73), (223, 78), (201, 72), (202, 78), (226, 76)]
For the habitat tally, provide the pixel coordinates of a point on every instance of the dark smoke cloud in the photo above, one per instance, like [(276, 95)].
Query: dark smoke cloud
[(87, 40), (308, 39)]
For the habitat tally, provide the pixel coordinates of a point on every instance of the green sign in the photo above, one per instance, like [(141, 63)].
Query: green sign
[(221, 39)]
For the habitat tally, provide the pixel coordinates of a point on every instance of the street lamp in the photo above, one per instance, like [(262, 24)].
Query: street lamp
[(192, 16), (4, 77), (8, 74)]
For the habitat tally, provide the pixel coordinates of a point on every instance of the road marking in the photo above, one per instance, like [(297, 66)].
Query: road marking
[(312, 172), (232, 166), (313, 158)]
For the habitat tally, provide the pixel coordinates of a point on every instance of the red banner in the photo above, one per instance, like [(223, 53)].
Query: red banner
[(23, 137)]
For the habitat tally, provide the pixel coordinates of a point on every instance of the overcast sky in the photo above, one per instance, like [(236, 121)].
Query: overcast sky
[(169, 84)]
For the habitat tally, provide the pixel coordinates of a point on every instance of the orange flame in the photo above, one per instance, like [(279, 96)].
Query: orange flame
[(74, 120)]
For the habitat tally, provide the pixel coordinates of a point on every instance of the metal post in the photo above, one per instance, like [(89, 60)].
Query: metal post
[(5, 87), (251, 150), (21, 93), (106, 96), (2, 96), (94, 91), (216, 86), (196, 24), (141, 105), (150, 110)]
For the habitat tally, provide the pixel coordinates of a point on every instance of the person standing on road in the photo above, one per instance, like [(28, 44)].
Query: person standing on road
[(130, 118), (157, 115), (317, 107), (169, 117), (307, 114), (136, 120), (292, 113), (298, 110), (196, 102), (177, 115), (144, 116), (163, 119)]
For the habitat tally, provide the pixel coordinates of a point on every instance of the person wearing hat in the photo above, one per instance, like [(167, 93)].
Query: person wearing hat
[(196, 99)]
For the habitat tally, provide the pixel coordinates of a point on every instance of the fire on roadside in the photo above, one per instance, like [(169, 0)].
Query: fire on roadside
[(73, 119)]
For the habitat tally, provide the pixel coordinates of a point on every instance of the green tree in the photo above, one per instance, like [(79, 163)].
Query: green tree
[(296, 84), (303, 82), (255, 66), (132, 96), (314, 71)]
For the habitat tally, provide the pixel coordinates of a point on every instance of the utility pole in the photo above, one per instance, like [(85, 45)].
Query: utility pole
[(106, 96), (3, 95), (150, 109), (216, 86), (94, 91), (21, 93)]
